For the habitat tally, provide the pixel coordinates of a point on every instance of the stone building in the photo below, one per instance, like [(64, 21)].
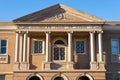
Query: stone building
[(59, 43)]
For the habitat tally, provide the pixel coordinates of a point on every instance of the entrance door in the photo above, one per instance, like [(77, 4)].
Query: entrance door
[(59, 53)]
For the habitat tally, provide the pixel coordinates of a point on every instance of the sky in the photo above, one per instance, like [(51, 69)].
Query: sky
[(105, 9)]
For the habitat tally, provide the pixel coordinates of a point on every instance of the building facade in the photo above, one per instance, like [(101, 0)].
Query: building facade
[(59, 43)]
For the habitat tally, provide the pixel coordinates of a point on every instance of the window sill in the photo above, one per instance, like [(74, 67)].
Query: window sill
[(38, 54)]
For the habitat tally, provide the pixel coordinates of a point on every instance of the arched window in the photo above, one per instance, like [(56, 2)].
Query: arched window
[(59, 42), (59, 50), (59, 78), (34, 78), (83, 78)]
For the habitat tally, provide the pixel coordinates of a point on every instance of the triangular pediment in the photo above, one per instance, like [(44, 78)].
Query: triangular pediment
[(58, 13)]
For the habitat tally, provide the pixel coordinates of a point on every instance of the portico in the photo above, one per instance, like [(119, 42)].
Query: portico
[(22, 39)]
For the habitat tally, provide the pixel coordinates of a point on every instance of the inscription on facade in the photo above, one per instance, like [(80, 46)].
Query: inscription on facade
[(3, 58), (63, 28)]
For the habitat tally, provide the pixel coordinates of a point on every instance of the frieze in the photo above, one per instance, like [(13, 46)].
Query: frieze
[(52, 28)]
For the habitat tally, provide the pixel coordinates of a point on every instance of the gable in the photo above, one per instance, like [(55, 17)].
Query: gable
[(58, 13)]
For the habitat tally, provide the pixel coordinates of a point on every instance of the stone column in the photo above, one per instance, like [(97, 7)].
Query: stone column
[(70, 46), (48, 46), (21, 47), (92, 46), (17, 47), (25, 47), (100, 46), (16, 64)]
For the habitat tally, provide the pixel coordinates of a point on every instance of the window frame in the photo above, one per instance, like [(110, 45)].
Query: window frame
[(118, 47), (60, 46), (114, 75), (64, 55), (85, 51), (3, 76), (6, 46), (43, 46)]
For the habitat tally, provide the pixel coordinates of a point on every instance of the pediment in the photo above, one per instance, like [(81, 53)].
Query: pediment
[(58, 13)]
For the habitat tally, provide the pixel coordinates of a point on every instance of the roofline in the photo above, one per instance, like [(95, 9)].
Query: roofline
[(7, 23), (38, 23)]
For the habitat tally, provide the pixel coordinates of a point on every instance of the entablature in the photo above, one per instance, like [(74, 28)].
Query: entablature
[(59, 28)]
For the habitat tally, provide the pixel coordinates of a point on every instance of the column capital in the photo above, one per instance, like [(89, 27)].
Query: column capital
[(18, 32), (70, 32), (100, 32), (47, 32), (92, 32)]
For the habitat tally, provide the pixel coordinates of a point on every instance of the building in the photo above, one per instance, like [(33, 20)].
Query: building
[(59, 43)]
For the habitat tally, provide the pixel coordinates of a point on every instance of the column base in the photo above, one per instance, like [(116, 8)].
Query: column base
[(101, 66), (93, 66), (70, 65), (46, 66), (16, 66), (24, 66)]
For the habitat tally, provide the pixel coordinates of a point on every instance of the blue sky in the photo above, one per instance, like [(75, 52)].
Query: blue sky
[(106, 9)]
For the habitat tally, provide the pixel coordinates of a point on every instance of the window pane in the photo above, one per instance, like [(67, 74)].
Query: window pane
[(2, 77), (3, 42), (3, 50), (3, 46), (56, 53), (62, 53), (80, 48), (59, 42), (115, 46), (117, 77), (38, 47)]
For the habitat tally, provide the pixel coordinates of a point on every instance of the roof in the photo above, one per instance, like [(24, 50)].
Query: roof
[(58, 13)]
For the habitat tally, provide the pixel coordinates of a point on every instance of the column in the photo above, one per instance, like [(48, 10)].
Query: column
[(70, 46), (92, 46), (17, 47), (47, 46), (21, 47), (25, 47), (28, 48), (100, 46)]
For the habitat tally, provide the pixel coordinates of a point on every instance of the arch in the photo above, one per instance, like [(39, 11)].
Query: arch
[(59, 76), (59, 38), (35, 76), (85, 77), (59, 42)]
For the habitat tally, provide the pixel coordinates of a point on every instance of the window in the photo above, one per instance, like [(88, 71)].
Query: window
[(59, 50), (80, 47), (116, 77), (59, 53), (59, 42), (38, 46), (2, 77), (3, 46), (115, 46)]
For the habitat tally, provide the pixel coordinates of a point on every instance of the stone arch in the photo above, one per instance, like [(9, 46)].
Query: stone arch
[(59, 38), (85, 76), (37, 76), (60, 75)]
